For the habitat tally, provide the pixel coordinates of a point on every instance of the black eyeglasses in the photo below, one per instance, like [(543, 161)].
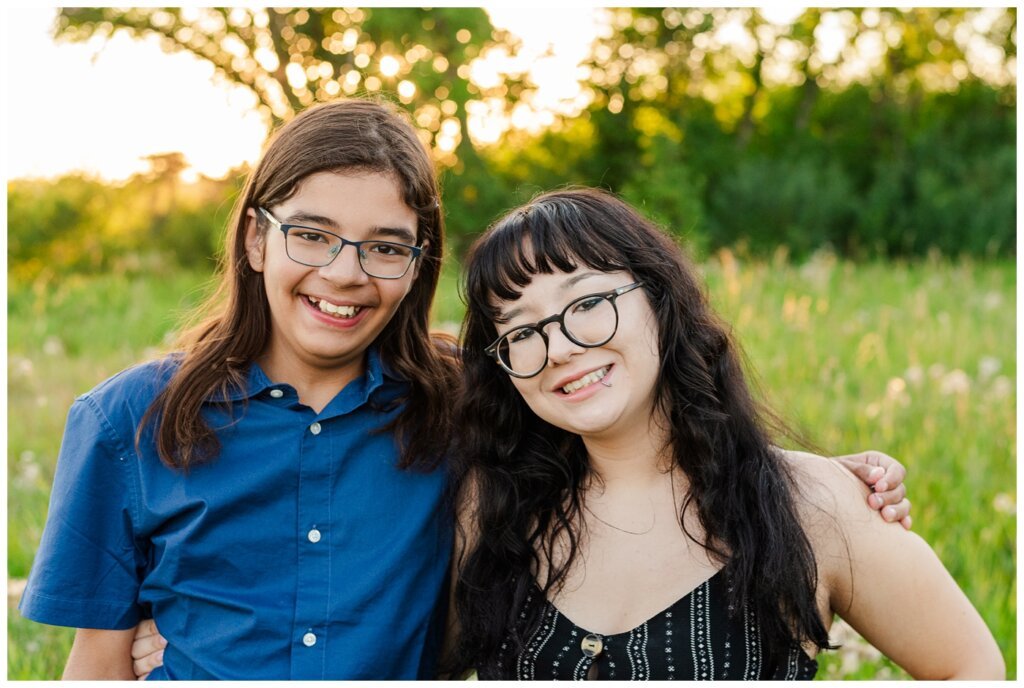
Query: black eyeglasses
[(317, 248), (588, 321)]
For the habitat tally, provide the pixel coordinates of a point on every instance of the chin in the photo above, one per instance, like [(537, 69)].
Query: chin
[(590, 428)]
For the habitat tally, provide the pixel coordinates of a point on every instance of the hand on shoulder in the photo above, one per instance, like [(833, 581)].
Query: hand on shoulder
[(887, 582)]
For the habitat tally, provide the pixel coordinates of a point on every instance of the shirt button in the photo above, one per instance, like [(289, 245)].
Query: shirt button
[(309, 640), (315, 428), (276, 393), (313, 535)]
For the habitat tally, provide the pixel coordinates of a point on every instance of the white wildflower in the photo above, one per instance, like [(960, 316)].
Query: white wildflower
[(914, 375), (956, 382), (992, 300), (1005, 504), (23, 366), (987, 367), (1002, 387), (53, 347)]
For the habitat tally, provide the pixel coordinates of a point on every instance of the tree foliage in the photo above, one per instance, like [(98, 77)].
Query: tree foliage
[(292, 57), (873, 131)]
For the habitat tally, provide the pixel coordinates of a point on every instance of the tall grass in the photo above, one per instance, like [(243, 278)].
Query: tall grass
[(917, 360)]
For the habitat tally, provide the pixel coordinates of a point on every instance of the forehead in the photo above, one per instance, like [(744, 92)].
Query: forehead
[(549, 292), (354, 198)]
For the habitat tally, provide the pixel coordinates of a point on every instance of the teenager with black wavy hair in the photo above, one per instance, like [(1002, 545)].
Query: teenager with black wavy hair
[(624, 510)]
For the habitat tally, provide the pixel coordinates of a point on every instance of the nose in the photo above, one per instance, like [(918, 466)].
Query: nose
[(345, 269), (560, 347)]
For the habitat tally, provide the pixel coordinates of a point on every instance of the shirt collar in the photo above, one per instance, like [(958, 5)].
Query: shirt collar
[(256, 381)]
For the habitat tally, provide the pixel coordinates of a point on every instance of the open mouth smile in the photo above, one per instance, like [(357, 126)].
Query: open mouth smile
[(333, 310), (590, 378)]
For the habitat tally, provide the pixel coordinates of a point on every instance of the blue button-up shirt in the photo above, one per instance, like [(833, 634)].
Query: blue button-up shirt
[(300, 552)]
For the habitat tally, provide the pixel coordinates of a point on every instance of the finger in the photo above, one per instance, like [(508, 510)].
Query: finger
[(907, 522), (148, 663), (147, 645), (896, 512), (895, 473), (867, 473), (888, 498), (146, 628), (871, 458)]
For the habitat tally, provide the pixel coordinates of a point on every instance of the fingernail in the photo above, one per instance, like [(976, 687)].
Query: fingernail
[(889, 513), (876, 472), (162, 641), (881, 486), (876, 501), (160, 656), (908, 522)]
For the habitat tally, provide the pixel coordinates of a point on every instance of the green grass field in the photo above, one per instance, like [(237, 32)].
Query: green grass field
[(917, 360)]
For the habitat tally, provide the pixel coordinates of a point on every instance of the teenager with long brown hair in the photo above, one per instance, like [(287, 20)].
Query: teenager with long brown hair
[(270, 492)]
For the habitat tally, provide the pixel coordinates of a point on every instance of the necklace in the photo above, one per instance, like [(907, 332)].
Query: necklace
[(623, 530)]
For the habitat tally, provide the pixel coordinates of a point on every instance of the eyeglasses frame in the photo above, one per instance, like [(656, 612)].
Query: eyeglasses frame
[(539, 327), (416, 250)]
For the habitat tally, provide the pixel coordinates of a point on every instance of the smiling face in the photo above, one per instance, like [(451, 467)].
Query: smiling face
[(599, 392), (324, 318)]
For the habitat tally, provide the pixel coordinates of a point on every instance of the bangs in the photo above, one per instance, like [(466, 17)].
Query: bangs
[(540, 239)]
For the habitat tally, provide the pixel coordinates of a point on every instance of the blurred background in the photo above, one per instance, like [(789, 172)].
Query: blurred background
[(845, 178)]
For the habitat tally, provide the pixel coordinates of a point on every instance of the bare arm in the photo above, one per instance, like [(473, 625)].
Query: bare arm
[(100, 655), (888, 584), (465, 539)]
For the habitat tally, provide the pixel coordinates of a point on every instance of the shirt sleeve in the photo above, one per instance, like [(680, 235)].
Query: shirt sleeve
[(87, 572)]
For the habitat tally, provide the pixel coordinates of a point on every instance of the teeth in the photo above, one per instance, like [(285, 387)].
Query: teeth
[(588, 379), (331, 309)]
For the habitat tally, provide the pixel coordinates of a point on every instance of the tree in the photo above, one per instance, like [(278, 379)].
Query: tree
[(292, 57)]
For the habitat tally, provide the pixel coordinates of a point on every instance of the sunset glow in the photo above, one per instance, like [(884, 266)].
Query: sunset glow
[(100, 109)]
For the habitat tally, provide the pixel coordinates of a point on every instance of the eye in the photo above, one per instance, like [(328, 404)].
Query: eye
[(388, 249), (310, 235), (520, 335), (587, 303)]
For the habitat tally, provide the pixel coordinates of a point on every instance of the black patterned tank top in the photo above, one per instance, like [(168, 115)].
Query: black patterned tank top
[(695, 639)]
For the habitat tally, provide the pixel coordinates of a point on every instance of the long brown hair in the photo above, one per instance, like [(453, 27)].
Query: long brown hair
[(348, 135)]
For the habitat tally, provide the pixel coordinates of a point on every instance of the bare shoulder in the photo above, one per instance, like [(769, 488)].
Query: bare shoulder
[(822, 484), (832, 507)]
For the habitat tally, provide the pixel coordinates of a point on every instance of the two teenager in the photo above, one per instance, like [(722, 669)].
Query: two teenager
[(274, 495)]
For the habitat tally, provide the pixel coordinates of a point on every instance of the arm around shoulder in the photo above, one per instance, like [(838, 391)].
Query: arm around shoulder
[(888, 584), (100, 655)]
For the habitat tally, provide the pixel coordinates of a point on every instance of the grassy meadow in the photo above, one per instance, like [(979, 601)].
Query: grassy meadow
[(917, 360)]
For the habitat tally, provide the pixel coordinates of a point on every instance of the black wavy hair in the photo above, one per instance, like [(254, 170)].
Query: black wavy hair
[(527, 476)]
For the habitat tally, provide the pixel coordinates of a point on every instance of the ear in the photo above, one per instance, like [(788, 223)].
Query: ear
[(254, 241)]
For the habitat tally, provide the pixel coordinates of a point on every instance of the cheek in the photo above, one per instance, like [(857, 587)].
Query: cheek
[(650, 329), (277, 267), (395, 294), (527, 389)]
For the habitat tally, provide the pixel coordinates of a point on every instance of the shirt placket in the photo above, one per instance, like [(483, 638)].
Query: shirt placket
[(312, 594)]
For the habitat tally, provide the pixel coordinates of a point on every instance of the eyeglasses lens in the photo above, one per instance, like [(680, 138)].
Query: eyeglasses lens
[(378, 258), (591, 321)]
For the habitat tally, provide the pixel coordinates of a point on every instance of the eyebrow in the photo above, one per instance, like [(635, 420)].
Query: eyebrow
[(571, 282), (401, 234)]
